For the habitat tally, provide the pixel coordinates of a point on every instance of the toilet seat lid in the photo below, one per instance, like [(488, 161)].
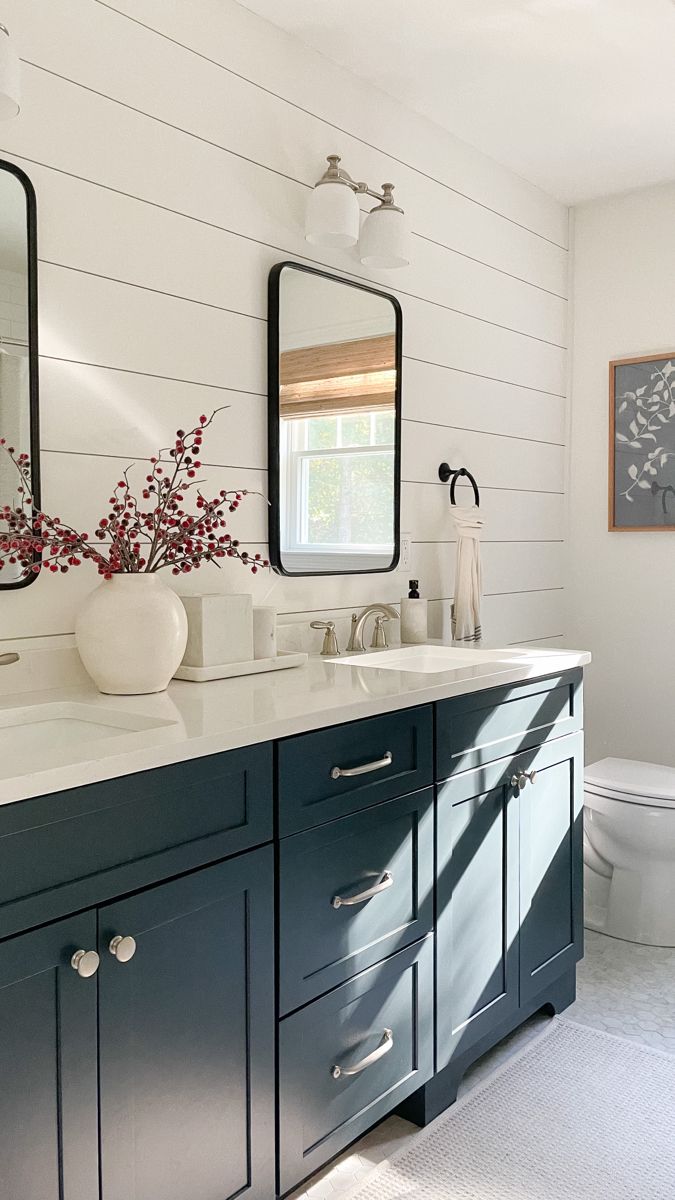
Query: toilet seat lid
[(632, 781)]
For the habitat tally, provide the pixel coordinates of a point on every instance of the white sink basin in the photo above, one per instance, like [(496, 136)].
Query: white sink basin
[(40, 727), (431, 660)]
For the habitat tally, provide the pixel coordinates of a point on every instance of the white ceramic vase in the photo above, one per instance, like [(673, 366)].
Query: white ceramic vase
[(131, 633)]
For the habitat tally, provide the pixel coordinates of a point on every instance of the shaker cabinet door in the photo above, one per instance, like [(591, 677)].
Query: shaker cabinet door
[(187, 1037), (48, 1086), (551, 865), (477, 909)]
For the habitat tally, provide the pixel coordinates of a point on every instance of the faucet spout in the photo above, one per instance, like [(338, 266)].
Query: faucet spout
[(356, 638)]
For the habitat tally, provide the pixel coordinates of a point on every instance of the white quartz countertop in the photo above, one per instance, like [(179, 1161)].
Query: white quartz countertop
[(41, 753)]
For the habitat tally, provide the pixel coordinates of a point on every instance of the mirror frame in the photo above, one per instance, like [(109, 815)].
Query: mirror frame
[(33, 355), (273, 441)]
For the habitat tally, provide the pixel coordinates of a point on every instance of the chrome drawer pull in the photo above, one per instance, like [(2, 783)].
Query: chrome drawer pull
[(349, 772), (385, 882), (383, 1048)]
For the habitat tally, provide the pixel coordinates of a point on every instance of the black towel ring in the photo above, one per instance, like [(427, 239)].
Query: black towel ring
[(446, 473)]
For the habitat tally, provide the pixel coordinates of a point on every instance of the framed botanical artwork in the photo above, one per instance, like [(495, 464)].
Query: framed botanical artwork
[(642, 443)]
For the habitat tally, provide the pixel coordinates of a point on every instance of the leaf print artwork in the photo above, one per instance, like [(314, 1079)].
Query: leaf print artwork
[(642, 430)]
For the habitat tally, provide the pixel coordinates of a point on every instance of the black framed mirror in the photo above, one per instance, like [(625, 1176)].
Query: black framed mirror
[(19, 401), (334, 421)]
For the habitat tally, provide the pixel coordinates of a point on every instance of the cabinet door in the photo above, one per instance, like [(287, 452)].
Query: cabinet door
[(187, 1037), (551, 865), (48, 1085), (477, 909)]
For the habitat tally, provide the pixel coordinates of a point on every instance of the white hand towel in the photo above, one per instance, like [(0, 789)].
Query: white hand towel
[(466, 624)]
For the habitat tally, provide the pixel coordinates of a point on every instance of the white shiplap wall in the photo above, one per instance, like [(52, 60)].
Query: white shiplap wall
[(172, 144)]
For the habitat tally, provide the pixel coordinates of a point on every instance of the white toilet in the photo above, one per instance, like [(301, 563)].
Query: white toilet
[(629, 850)]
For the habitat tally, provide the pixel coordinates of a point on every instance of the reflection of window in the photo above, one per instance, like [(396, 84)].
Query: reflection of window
[(338, 484)]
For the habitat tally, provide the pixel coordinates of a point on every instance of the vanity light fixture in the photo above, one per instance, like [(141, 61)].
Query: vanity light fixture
[(10, 72), (333, 218)]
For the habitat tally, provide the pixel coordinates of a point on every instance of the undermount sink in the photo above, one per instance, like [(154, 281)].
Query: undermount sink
[(61, 724), (430, 660)]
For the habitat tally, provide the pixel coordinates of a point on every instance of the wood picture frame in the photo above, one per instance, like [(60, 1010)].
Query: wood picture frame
[(642, 429)]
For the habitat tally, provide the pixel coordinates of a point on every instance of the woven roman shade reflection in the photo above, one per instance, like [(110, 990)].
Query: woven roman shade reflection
[(338, 378)]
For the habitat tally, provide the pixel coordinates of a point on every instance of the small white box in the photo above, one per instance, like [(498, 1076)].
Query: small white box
[(220, 630)]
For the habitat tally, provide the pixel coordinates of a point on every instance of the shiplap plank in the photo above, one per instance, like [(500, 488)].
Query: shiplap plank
[(228, 34), (451, 339), (439, 396), (518, 617), (493, 461), (509, 516), (89, 409), (88, 319)]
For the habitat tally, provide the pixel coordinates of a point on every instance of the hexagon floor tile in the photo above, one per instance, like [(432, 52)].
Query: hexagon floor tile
[(622, 988)]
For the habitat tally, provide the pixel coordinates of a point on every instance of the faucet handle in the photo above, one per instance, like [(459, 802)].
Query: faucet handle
[(330, 642), (379, 641)]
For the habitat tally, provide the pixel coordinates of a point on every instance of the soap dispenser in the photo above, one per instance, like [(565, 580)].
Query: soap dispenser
[(414, 627)]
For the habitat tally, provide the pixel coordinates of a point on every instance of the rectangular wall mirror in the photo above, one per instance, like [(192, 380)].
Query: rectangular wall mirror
[(18, 343), (334, 424)]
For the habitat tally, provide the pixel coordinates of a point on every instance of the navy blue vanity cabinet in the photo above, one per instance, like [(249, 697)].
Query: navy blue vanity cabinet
[(186, 1031), (477, 902), (48, 1077), (551, 865), (358, 889)]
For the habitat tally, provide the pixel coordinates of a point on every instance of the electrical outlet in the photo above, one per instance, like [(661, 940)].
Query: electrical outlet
[(405, 560)]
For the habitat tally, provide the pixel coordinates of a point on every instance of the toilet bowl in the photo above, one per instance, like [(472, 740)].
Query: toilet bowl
[(629, 850)]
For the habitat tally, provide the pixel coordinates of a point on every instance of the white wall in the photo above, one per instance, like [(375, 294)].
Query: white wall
[(621, 585), (172, 146)]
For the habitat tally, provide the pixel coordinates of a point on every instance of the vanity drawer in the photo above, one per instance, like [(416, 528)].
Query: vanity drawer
[(325, 877), (66, 851), (384, 1014), (482, 727), (377, 759)]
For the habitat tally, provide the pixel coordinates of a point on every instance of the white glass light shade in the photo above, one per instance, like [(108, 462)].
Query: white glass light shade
[(9, 77), (384, 239), (332, 216)]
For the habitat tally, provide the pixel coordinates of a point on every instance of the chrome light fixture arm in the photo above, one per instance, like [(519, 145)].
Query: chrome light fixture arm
[(337, 174)]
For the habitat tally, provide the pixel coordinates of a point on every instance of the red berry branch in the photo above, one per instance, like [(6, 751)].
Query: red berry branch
[(134, 536)]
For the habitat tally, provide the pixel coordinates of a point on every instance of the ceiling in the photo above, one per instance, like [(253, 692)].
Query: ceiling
[(577, 96)]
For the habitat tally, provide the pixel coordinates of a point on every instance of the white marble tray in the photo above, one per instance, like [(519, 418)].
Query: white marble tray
[(255, 666)]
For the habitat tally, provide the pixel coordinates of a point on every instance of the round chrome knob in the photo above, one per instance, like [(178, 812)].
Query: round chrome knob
[(531, 775), (123, 948), (85, 962), (518, 781)]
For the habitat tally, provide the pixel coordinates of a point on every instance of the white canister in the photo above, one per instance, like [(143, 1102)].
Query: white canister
[(264, 632), (131, 633), (414, 621)]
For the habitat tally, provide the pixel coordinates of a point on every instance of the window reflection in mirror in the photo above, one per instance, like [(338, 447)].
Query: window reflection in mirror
[(335, 401), (18, 342)]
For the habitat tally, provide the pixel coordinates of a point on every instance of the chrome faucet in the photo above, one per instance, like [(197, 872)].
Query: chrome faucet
[(7, 659), (385, 612)]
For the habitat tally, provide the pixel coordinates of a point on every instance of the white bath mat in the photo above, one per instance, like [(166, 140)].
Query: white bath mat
[(579, 1115)]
